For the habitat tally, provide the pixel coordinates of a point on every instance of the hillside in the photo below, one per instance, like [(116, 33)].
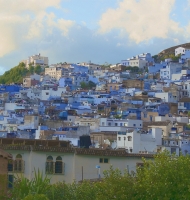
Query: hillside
[(16, 74), (170, 52)]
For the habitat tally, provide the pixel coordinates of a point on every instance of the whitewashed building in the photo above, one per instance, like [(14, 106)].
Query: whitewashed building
[(135, 141)]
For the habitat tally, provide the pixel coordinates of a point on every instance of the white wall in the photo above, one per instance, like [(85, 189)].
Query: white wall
[(140, 142), (179, 50), (165, 96), (121, 122), (74, 163), (172, 119)]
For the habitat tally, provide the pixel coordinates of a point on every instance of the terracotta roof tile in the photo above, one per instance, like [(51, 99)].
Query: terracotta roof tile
[(5, 154)]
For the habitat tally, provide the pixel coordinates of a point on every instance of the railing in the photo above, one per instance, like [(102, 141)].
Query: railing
[(15, 147)]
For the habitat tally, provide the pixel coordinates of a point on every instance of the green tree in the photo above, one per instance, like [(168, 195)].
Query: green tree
[(38, 69), (88, 85), (31, 69), (91, 84), (83, 85), (14, 75)]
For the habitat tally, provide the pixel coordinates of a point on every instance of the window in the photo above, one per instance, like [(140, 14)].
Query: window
[(129, 138), (134, 124), (131, 150), (18, 164), (173, 150), (115, 124), (10, 166), (49, 165), (109, 124), (10, 181), (150, 118), (119, 138), (54, 167), (47, 93), (58, 165), (104, 160)]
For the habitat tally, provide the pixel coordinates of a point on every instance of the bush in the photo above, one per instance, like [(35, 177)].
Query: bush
[(36, 197)]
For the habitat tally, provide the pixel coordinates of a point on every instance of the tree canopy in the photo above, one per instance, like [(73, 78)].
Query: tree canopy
[(16, 74), (88, 85)]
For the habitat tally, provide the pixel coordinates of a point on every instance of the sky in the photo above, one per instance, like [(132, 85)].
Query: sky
[(100, 31)]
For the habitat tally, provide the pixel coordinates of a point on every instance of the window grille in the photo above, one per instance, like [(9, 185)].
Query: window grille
[(18, 164), (58, 165), (49, 165)]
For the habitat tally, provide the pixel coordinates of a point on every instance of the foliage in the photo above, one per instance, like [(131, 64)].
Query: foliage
[(31, 69), (166, 177), (105, 66), (36, 197), (172, 56), (3, 185), (118, 116), (38, 69), (132, 69), (156, 59), (88, 85), (23, 187), (16, 74)]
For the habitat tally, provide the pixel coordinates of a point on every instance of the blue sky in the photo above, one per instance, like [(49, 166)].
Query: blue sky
[(97, 30)]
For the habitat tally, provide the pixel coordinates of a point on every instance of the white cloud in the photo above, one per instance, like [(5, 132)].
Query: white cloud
[(142, 20), (23, 20)]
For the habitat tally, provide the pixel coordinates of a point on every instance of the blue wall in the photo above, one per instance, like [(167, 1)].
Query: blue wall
[(10, 88), (155, 68), (79, 68), (163, 109)]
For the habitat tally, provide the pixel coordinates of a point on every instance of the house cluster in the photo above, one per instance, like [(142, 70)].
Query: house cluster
[(62, 124)]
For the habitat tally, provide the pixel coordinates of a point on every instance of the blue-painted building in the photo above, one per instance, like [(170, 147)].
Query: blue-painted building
[(147, 85), (10, 88), (63, 115), (65, 81), (79, 68), (155, 68), (129, 111), (163, 109)]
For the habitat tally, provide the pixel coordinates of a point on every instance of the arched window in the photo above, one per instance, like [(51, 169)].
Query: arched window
[(129, 138), (58, 165), (18, 164), (49, 165), (10, 165)]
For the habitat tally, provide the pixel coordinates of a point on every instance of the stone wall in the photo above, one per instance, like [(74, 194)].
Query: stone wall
[(135, 83)]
